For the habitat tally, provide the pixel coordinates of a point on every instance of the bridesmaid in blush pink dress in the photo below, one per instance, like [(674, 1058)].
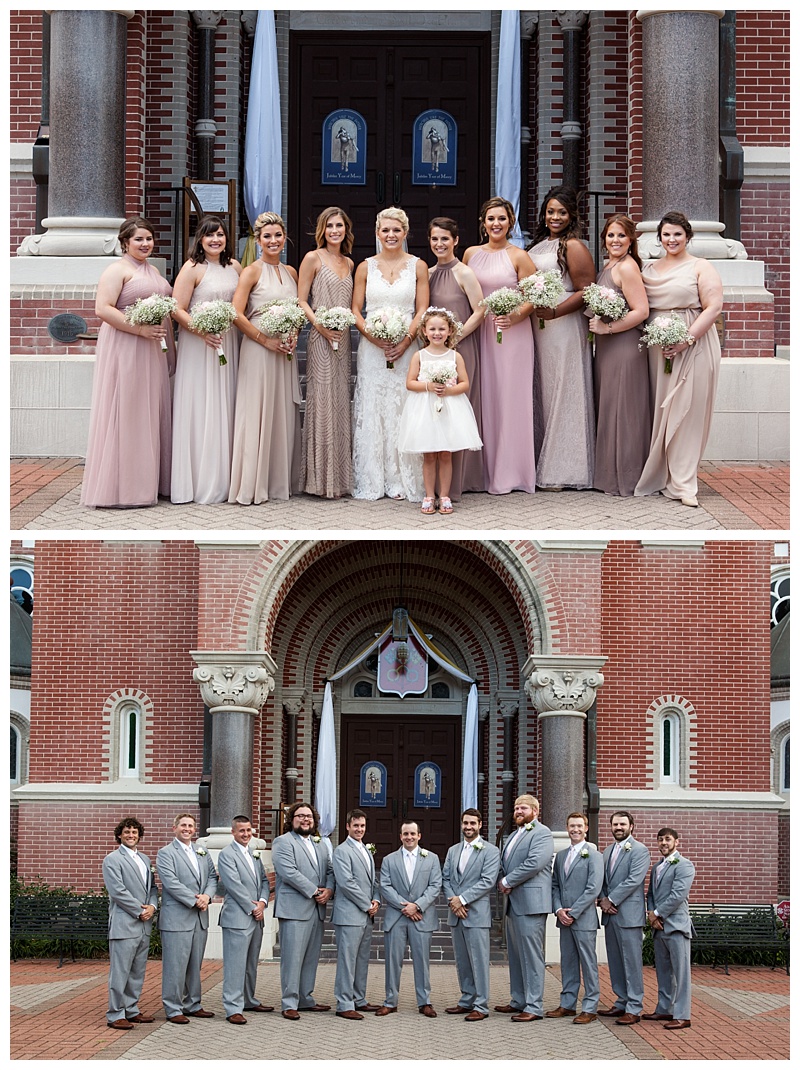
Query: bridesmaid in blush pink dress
[(129, 449), (507, 368)]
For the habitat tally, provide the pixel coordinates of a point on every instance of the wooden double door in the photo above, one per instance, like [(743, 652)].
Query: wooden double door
[(390, 79), (402, 744)]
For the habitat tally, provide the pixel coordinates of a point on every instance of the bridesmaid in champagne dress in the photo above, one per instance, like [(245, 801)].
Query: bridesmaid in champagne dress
[(205, 391), (326, 281), (266, 435), (128, 453), (455, 287), (506, 368)]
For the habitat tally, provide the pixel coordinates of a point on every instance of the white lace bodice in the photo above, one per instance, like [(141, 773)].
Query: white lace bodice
[(402, 293)]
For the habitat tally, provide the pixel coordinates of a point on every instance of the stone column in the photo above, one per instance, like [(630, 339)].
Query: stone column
[(87, 135), (205, 128), (571, 23), (507, 708), (293, 702)]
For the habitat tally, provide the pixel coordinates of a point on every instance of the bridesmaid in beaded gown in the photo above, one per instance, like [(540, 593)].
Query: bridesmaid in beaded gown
[(326, 281), (506, 368), (205, 390), (455, 287), (128, 454)]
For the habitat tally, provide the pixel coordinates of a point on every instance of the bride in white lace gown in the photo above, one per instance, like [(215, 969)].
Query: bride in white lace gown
[(392, 279)]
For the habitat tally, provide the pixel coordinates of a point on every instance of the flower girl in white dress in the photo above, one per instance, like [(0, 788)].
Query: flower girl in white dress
[(437, 418)]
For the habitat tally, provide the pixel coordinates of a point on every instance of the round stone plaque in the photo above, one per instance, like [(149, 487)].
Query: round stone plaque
[(66, 327)]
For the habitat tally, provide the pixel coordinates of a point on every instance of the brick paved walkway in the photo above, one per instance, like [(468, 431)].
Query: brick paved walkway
[(60, 1014), (45, 495)]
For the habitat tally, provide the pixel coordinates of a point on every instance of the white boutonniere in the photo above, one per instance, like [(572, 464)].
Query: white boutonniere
[(202, 852), (371, 848), (530, 825), (317, 839), (628, 846), (423, 853), (584, 852), (152, 869), (673, 860), (478, 845), (256, 854)]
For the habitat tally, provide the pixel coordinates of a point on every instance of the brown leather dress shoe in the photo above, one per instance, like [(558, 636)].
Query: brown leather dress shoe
[(584, 1018), (525, 1017), (237, 1019), (427, 1010), (679, 1023), (475, 1016), (139, 1019), (628, 1019), (260, 1008), (506, 1008), (369, 1007), (291, 1014), (561, 1012), (316, 1007), (458, 1009), (351, 1016), (656, 1017), (121, 1023), (178, 1019), (201, 1014), (612, 1012), (381, 1012)]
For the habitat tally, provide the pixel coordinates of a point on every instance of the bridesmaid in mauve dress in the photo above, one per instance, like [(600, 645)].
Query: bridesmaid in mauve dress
[(326, 281), (128, 453), (506, 368), (455, 287), (621, 377)]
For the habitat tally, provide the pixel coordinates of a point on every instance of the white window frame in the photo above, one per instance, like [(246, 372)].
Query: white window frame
[(116, 715)]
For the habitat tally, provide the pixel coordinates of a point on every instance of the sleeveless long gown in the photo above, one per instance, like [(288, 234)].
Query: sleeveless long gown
[(378, 467), (468, 472), (130, 433), (266, 435), (203, 402)]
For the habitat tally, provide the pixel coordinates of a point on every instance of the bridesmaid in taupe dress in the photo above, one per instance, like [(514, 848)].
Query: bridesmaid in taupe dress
[(455, 287)]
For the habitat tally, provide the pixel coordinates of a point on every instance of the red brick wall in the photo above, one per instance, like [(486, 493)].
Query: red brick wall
[(762, 82), (31, 315), (766, 225), (25, 92)]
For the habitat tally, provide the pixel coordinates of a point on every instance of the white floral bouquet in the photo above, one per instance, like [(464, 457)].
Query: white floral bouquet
[(439, 371), (605, 302), (389, 325), (282, 319), (544, 289), (213, 317), (503, 302), (665, 331), (337, 318), (151, 312)]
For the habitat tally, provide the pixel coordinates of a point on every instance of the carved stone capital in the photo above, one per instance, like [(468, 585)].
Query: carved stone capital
[(249, 19), (240, 679), (562, 684), (206, 20), (572, 20), (294, 700), (528, 21)]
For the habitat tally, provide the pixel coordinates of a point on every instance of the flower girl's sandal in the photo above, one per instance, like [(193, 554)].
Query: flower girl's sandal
[(427, 506), (445, 505)]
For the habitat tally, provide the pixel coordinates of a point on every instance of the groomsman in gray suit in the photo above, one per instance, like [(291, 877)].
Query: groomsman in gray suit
[(468, 876), (411, 879), (303, 885), (242, 875), (188, 884), (668, 914), (132, 902), (525, 882), (625, 866), (354, 910), (577, 882)]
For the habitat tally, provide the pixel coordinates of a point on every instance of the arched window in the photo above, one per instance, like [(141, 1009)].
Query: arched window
[(22, 584), (18, 750), (785, 765), (672, 719), (670, 749), (130, 716), (779, 597), (15, 751)]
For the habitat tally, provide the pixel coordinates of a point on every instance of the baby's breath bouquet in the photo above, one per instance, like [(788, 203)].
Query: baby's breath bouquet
[(666, 331), (282, 319), (503, 302), (389, 325), (151, 312), (337, 318), (213, 317), (605, 302), (441, 371), (544, 289)]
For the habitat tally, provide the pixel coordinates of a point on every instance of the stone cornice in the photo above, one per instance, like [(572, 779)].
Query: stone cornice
[(674, 798), (123, 789)]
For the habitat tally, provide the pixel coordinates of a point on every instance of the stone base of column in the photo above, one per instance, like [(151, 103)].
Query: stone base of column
[(707, 241), (75, 236), (214, 841)]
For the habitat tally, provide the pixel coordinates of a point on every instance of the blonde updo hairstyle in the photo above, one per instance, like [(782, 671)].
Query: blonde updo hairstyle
[(445, 313), (392, 213), (268, 219)]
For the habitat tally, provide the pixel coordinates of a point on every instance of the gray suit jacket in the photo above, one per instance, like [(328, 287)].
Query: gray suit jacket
[(240, 887), (179, 886), (527, 869), (670, 897), (297, 877), (425, 887), (474, 885), (356, 885), (625, 886), (577, 892), (126, 894)]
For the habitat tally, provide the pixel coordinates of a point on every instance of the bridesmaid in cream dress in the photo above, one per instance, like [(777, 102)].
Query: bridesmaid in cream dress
[(266, 436)]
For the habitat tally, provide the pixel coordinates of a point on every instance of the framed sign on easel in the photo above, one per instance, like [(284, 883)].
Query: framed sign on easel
[(203, 197)]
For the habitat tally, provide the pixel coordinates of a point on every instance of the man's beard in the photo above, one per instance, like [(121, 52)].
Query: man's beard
[(304, 832)]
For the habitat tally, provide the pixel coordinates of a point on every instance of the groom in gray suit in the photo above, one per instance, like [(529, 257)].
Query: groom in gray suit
[(469, 875), (577, 882), (303, 885), (625, 866), (411, 879), (526, 884), (188, 884), (241, 919), (132, 902), (668, 914)]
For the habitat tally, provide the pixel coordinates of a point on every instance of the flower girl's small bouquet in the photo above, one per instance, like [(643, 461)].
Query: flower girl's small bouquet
[(151, 312), (503, 302), (666, 331), (439, 371), (604, 302), (336, 318), (282, 319), (213, 317), (543, 289), (389, 325)]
